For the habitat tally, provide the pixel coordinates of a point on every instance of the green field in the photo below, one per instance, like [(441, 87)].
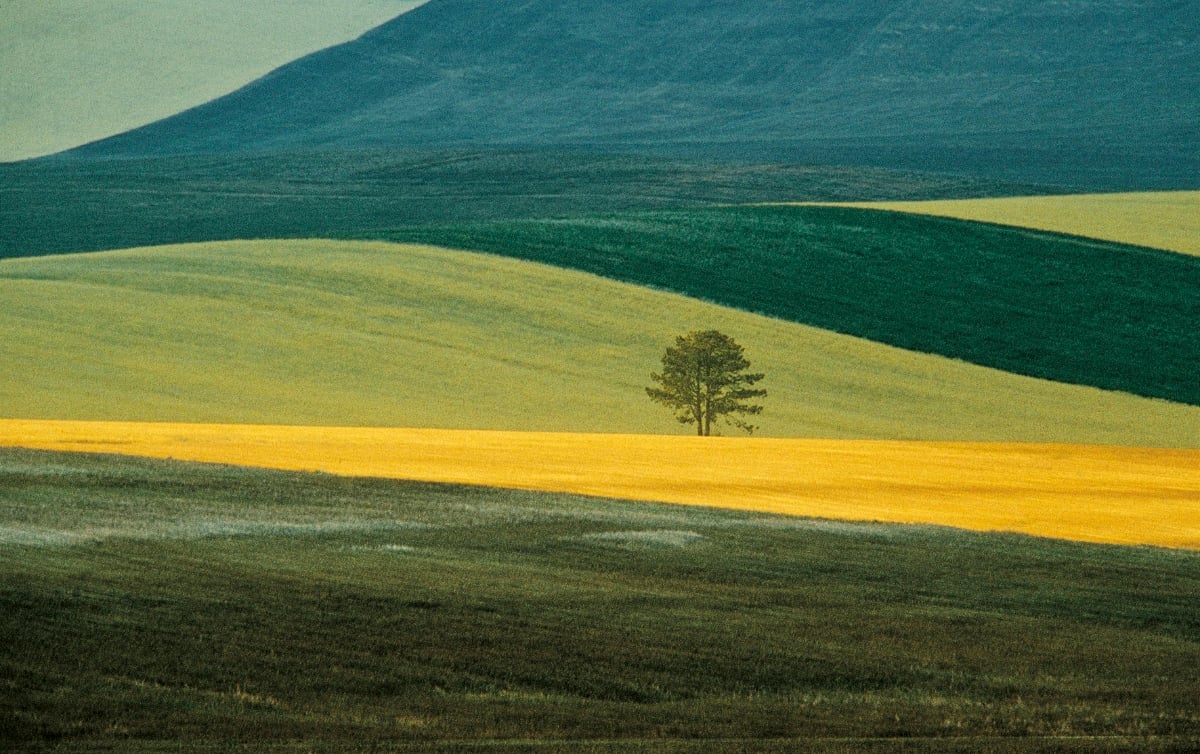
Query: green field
[(356, 333), (285, 263), (60, 206), (162, 607), (1057, 307), (1096, 313), (148, 606)]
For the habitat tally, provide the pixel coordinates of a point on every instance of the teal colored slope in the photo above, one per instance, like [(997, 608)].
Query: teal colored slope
[(1061, 308), (51, 206), (1084, 94)]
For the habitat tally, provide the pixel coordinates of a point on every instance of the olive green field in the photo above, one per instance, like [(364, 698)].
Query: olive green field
[(154, 606), (376, 334)]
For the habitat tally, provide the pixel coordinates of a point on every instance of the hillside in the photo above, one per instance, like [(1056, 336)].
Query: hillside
[(1089, 93), (148, 606), (75, 72), (338, 333), (1056, 307), (57, 206)]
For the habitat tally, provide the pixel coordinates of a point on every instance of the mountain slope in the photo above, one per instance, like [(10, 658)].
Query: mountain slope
[(78, 71), (335, 333), (1088, 92)]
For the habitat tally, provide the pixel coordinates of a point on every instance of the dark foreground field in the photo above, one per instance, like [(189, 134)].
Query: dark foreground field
[(152, 606)]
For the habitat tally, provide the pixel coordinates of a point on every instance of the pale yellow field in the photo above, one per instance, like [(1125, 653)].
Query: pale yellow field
[(1088, 493), (1163, 220), (351, 334)]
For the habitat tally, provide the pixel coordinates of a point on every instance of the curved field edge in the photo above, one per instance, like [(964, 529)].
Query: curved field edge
[(1167, 220), (1087, 493), (353, 333), (1045, 305)]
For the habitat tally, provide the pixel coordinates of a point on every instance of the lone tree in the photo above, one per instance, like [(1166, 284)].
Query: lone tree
[(704, 377)]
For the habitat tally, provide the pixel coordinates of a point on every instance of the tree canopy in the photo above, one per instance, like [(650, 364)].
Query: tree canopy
[(704, 378)]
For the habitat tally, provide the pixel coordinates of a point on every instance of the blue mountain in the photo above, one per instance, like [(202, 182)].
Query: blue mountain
[(1087, 93)]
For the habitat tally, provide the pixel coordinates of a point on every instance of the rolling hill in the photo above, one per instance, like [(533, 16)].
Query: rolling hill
[(61, 206), (494, 216), (75, 72), (1056, 307), (353, 333), (1088, 93)]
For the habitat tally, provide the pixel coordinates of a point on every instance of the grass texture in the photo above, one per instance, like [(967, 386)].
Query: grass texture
[(1088, 493), (1158, 219), (336, 333), (1049, 306), (60, 206), (152, 606)]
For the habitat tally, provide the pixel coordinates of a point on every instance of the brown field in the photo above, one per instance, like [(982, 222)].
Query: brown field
[(1089, 493)]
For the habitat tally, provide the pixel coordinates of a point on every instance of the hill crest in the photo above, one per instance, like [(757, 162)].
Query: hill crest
[(1086, 93)]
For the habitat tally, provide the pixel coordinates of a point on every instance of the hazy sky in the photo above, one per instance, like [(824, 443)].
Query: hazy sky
[(72, 71)]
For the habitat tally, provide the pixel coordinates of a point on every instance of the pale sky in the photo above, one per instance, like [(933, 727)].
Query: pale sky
[(72, 71)]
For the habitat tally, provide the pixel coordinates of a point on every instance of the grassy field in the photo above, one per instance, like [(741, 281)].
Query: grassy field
[(1050, 306), (1161, 220), (1088, 493), (311, 332), (61, 206), (153, 606)]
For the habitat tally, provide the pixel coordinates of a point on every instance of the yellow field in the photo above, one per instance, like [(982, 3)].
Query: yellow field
[(1088, 493), (1163, 220)]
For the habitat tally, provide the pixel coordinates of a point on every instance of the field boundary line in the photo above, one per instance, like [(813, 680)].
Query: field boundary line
[(1091, 493)]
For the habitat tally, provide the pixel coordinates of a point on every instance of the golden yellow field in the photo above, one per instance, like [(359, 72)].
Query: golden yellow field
[(1163, 220), (1089, 493)]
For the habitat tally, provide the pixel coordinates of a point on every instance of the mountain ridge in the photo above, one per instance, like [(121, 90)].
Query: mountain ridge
[(1087, 94)]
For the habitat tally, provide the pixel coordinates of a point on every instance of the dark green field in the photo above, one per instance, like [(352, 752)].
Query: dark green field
[(1083, 312), (55, 206), (1039, 304), (151, 606)]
